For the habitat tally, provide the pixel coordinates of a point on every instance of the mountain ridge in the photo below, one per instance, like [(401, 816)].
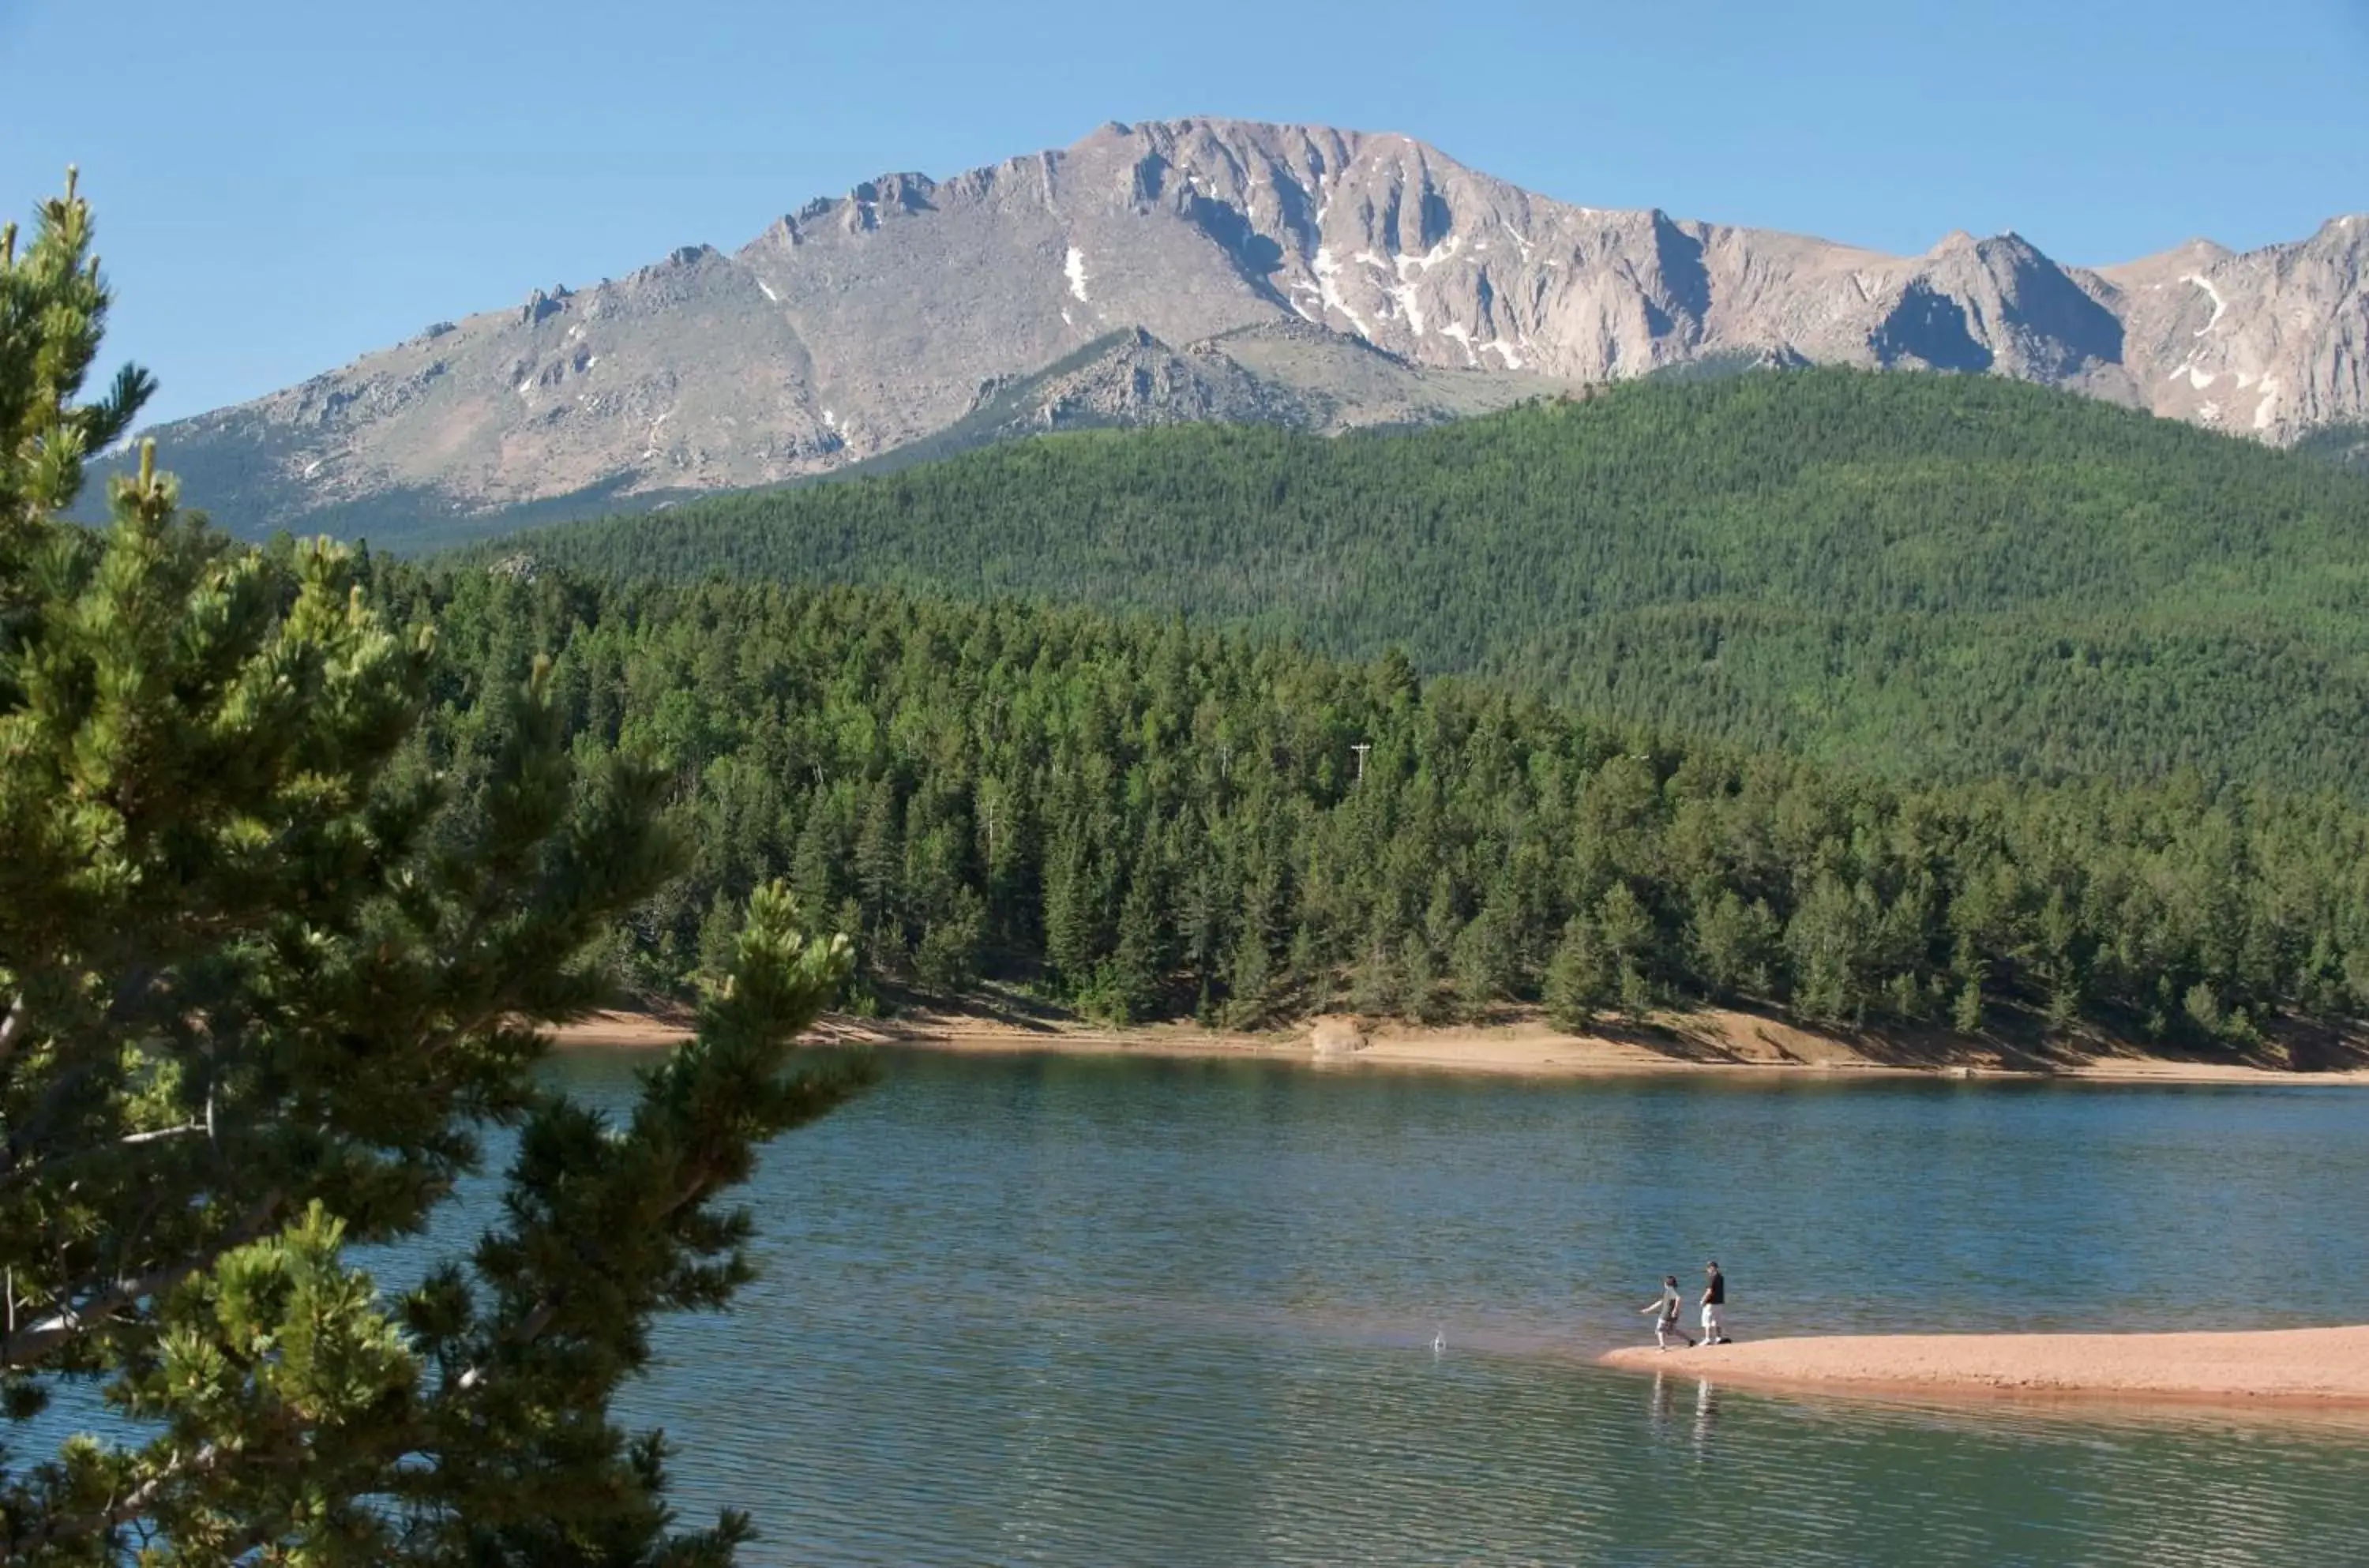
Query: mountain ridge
[(1294, 274)]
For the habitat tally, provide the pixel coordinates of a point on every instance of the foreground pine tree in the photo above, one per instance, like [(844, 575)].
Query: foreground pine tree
[(261, 983)]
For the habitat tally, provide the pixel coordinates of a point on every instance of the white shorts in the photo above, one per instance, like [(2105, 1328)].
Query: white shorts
[(1711, 1320)]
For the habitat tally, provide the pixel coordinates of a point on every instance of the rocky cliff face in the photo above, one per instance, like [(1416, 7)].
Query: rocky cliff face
[(1216, 270), (2275, 341)]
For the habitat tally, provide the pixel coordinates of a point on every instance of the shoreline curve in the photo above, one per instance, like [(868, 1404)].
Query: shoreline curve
[(1730, 1044)]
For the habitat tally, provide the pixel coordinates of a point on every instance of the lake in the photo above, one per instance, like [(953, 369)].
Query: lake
[(1082, 1311)]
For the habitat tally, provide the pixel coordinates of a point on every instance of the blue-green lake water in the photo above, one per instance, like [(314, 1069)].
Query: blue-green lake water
[(1076, 1311)]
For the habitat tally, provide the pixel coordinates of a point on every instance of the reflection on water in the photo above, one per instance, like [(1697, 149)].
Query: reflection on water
[(1076, 1311)]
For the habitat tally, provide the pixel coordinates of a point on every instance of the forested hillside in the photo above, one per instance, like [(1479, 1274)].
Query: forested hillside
[(1152, 819), (2347, 446), (1929, 576)]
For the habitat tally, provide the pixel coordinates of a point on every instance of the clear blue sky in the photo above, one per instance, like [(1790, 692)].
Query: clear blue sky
[(283, 185)]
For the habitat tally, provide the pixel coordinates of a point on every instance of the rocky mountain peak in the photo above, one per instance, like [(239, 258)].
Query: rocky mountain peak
[(1301, 272)]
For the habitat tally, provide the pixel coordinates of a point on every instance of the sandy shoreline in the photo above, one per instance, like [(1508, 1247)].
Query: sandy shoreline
[(2321, 1368), (1710, 1042)]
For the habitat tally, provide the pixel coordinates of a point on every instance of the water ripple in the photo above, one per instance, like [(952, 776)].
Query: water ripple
[(1065, 1313)]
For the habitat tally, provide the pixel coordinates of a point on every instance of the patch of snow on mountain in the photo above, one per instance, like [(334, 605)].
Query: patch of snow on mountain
[(1408, 307), (2220, 305), (1073, 267), (1431, 258), (1330, 292)]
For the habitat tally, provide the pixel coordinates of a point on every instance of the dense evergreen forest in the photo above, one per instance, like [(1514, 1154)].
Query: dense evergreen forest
[(1149, 819), (2347, 446), (1929, 577)]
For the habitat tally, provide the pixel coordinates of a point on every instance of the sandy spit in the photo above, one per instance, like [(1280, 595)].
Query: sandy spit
[(2318, 1366), (1713, 1042)]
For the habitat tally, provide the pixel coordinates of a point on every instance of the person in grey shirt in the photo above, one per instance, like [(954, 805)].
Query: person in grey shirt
[(1668, 1305)]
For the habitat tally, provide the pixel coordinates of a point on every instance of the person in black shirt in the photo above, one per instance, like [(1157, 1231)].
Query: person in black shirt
[(1714, 1296)]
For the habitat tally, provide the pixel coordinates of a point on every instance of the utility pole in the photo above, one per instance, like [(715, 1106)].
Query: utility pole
[(1361, 748)]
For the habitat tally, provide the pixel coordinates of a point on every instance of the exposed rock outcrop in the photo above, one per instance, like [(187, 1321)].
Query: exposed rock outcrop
[(1298, 273)]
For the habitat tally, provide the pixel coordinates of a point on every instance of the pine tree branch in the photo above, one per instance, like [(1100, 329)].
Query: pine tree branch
[(700, 1179), (548, 1306), (28, 1131), (183, 1130), (121, 1510), (29, 1347), (107, 419), (37, 1122), (204, 1460), (14, 1175), (12, 1171)]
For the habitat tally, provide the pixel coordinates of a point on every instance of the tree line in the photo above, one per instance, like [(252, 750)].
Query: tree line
[(1153, 819), (1929, 577)]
